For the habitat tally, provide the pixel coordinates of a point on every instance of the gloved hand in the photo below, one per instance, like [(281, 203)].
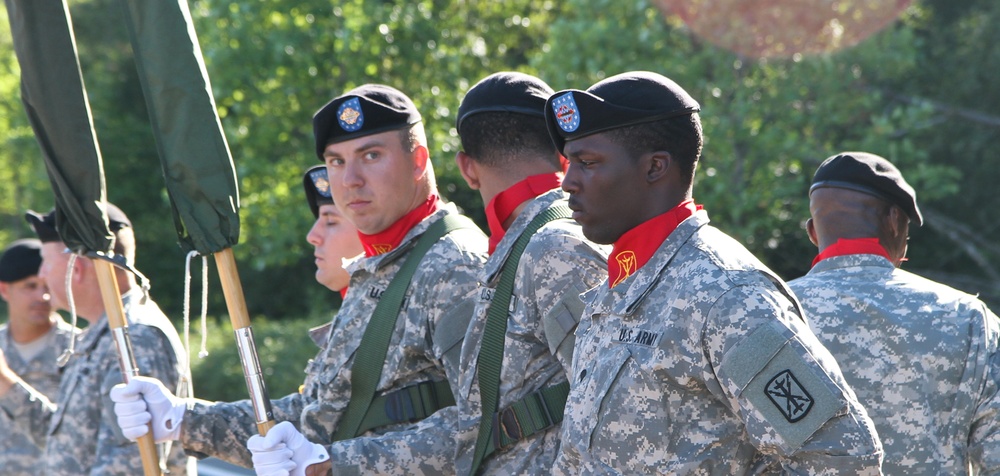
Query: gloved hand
[(284, 451), (144, 400)]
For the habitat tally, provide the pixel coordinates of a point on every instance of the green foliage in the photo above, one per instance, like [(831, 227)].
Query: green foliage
[(284, 349), (768, 123)]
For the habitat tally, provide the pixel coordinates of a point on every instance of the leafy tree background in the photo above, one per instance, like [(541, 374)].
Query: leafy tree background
[(919, 93)]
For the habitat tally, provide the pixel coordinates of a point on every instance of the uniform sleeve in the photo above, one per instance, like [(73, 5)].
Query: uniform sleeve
[(984, 436), (562, 267), (788, 390), (221, 429), (28, 408), (154, 357), (427, 447)]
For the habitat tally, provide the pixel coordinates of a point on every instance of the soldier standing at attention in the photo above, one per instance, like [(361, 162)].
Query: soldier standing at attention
[(924, 358), (694, 358), (31, 341), (391, 357)]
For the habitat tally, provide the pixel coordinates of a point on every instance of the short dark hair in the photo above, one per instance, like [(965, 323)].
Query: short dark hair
[(681, 136), (496, 139)]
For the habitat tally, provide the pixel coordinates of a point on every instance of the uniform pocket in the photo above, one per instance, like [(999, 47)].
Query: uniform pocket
[(607, 373)]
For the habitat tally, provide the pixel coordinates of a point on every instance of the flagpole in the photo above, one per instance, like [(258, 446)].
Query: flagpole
[(240, 318), (111, 295)]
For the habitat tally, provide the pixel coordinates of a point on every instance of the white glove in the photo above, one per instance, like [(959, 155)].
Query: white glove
[(144, 400), (284, 451)]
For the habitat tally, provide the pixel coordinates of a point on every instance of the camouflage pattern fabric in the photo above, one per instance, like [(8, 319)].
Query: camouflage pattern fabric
[(80, 433), (922, 357), (700, 363), (557, 266), (18, 454), (425, 347)]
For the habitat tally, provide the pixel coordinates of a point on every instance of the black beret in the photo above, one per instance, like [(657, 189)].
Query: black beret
[(505, 92), (45, 225), (20, 260), (871, 174), (622, 100), (317, 188), (362, 111)]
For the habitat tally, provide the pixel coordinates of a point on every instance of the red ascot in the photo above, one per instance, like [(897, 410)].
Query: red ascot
[(634, 248), (503, 205), (388, 239), (853, 246)]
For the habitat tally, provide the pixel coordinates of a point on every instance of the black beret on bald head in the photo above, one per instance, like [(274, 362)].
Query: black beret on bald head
[(868, 173)]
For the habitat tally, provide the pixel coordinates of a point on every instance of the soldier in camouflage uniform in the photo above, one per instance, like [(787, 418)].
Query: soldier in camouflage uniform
[(382, 180), (508, 156), (30, 341), (923, 358), (77, 431), (694, 358)]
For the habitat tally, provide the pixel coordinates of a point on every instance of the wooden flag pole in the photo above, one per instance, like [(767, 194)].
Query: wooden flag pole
[(240, 318), (126, 360)]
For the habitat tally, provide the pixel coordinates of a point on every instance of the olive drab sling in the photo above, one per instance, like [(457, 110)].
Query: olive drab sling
[(535, 412), (366, 411)]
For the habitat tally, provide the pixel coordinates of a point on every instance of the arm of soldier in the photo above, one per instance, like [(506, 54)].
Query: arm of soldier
[(221, 429), (426, 447), (559, 266), (23, 405), (786, 387), (984, 436)]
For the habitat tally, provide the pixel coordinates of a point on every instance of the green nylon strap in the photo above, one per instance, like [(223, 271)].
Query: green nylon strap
[(491, 350), (370, 356), (529, 415), (412, 403)]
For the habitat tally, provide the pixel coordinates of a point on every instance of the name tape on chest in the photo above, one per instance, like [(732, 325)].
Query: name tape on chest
[(631, 335)]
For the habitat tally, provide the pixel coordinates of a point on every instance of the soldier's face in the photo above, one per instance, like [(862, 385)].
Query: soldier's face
[(333, 238), (374, 180), (607, 187), (53, 272), (27, 301)]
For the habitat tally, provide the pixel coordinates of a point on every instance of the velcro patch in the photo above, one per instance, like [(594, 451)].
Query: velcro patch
[(778, 379)]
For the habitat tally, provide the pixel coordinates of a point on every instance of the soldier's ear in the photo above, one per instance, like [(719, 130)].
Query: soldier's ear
[(658, 165), (468, 169), (811, 231)]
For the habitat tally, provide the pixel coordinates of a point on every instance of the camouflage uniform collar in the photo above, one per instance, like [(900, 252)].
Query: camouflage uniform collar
[(625, 298), (850, 261), (320, 334), (491, 271), (92, 335), (373, 263)]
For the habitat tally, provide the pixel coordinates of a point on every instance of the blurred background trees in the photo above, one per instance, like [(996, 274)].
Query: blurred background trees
[(919, 92)]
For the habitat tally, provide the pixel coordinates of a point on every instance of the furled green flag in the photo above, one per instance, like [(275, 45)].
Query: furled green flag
[(56, 104), (197, 165), (201, 179)]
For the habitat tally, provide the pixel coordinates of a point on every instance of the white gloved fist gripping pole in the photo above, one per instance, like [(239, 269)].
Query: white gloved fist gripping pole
[(284, 452), (144, 400)]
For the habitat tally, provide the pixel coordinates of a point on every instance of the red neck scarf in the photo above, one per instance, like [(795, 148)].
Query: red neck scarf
[(853, 246), (636, 246), (343, 293), (388, 239), (503, 205)]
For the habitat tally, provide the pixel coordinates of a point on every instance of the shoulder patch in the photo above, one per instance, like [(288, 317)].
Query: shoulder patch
[(786, 393)]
